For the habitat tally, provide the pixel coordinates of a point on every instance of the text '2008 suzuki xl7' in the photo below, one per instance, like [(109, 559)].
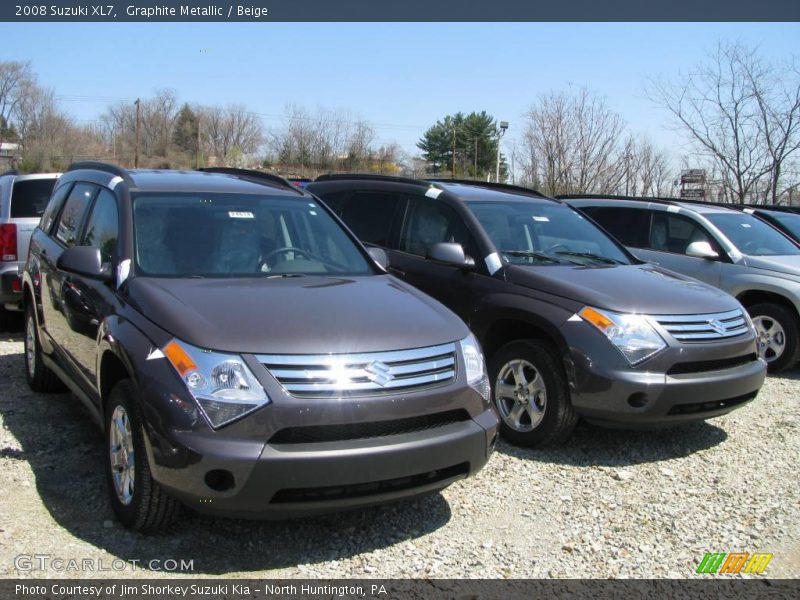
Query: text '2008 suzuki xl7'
[(572, 324), (244, 354)]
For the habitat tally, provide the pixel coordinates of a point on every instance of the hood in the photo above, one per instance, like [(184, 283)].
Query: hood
[(645, 289), (297, 315), (787, 265)]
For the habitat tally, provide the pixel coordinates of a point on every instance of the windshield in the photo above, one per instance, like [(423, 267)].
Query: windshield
[(790, 221), (528, 233), (228, 235), (752, 236)]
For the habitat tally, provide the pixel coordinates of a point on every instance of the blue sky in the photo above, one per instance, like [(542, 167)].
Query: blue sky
[(401, 77)]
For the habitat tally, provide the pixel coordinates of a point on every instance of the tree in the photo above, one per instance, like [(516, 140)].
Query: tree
[(571, 143), (15, 77), (742, 112), (475, 139), (185, 135), (230, 132)]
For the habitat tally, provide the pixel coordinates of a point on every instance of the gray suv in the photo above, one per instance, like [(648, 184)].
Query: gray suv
[(22, 202), (243, 353), (726, 248)]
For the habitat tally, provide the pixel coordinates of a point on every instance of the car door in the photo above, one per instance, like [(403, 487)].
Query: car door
[(65, 233), (87, 301), (429, 221), (670, 236)]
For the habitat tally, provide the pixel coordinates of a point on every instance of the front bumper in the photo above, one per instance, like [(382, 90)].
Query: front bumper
[(686, 382), (251, 469)]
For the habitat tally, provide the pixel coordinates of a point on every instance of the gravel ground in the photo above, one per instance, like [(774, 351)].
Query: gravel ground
[(608, 504)]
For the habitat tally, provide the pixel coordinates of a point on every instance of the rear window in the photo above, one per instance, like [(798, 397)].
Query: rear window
[(30, 196)]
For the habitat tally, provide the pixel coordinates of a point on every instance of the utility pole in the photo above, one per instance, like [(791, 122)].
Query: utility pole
[(197, 153), (503, 127), (453, 165), (136, 147), (475, 174)]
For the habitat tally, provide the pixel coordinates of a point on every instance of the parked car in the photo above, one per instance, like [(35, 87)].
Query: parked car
[(244, 354), (571, 323), (729, 249), (22, 202)]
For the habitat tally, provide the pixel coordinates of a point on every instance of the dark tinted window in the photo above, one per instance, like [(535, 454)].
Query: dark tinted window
[(432, 222), (53, 207), (752, 236), (370, 215), (673, 233), (791, 221), (102, 230), (69, 224), (228, 235), (30, 196), (631, 226)]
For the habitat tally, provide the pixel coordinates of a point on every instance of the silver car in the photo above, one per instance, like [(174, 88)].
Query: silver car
[(23, 199), (729, 249)]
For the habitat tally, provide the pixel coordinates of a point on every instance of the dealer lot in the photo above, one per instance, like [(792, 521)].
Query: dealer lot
[(606, 504)]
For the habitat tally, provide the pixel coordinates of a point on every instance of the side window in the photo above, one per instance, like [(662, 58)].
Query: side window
[(630, 226), (102, 229), (431, 222), (74, 213), (334, 201), (370, 215), (673, 233), (53, 207)]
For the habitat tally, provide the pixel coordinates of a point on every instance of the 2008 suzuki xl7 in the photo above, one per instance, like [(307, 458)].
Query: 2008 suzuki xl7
[(244, 354)]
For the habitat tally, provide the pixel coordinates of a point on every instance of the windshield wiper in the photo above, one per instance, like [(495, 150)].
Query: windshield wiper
[(591, 255), (531, 254)]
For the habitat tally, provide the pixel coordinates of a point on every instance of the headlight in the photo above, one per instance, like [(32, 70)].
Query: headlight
[(631, 334), (221, 384), (475, 365)]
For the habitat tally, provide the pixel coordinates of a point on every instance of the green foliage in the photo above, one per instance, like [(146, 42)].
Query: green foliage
[(185, 134), (475, 145)]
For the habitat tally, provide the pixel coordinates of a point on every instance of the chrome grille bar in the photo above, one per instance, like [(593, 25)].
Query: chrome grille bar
[(714, 326), (329, 375)]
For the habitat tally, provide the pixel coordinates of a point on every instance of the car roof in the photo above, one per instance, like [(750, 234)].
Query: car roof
[(698, 207), (471, 191)]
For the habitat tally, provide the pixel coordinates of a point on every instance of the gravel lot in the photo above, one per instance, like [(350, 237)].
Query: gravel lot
[(609, 504)]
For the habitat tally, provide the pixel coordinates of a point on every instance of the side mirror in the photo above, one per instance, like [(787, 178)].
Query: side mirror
[(84, 260), (379, 256), (451, 254), (701, 250)]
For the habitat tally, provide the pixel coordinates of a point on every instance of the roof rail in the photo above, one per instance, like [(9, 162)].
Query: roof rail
[(96, 165), (251, 175), (10, 172), (618, 197), (368, 176), (493, 186)]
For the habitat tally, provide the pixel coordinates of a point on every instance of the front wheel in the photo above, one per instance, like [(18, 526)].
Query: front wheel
[(530, 392), (776, 335), (137, 499)]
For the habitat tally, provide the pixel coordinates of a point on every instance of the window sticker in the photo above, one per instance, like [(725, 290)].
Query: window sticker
[(541, 219), (313, 213), (433, 192), (673, 209), (746, 225), (240, 214)]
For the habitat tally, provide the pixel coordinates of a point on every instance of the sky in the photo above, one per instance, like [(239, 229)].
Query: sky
[(401, 77)]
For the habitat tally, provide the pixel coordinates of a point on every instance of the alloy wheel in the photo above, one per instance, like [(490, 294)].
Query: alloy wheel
[(520, 395), (770, 336), (123, 464)]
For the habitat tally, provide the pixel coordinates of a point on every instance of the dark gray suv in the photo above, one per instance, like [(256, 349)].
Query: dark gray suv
[(572, 324), (244, 354)]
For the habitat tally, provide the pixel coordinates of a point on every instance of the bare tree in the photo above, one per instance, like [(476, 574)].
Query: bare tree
[(645, 168), (230, 132), (570, 143), (740, 111), (15, 78)]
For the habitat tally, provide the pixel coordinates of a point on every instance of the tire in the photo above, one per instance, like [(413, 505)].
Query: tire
[(542, 413), (139, 502), (777, 333), (40, 377), (5, 320)]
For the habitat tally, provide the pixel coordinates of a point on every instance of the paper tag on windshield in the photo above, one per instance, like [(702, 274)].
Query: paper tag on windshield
[(541, 219), (240, 215), (433, 192)]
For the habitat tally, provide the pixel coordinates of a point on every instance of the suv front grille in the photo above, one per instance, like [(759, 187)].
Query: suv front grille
[(698, 328), (329, 375), (311, 434)]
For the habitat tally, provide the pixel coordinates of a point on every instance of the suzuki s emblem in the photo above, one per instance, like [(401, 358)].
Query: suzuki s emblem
[(717, 326), (378, 372)]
